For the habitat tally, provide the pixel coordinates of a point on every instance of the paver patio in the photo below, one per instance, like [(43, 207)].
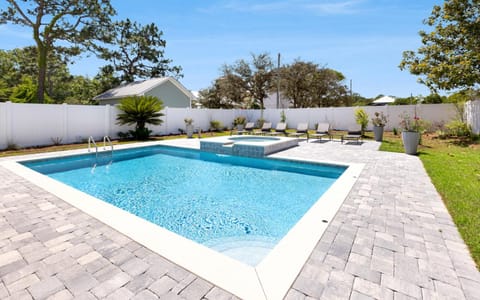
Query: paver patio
[(391, 239)]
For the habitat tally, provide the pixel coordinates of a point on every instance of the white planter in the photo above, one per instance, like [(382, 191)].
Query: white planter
[(189, 130), (410, 141), (378, 132)]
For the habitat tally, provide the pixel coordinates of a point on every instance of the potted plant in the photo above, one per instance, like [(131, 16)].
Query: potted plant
[(189, 126), (239, 122), (410, 132), (379, 122), (361, 118)]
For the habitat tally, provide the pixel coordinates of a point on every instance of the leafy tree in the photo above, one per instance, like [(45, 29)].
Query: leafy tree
[(140, 110), (253, 79), (297, 80), (308, 85), (106, 78), (25, 92), (136, 51), (5, 91), (433, 98), (61, 86), (81, 90), (214, 97), (450, 55), (76, 22), (359, 100)]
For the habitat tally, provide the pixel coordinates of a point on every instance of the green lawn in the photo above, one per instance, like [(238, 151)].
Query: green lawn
[(454, 169)]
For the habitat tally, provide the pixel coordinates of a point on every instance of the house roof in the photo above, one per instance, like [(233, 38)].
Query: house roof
[(384, 100), (139, 88)]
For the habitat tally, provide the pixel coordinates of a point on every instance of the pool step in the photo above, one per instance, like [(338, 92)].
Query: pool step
[(250, 250), (228, 144)]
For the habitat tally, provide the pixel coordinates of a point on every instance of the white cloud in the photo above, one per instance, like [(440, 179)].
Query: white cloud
[(329, 7)]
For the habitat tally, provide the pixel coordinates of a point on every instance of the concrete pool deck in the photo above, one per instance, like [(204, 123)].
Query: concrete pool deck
[(391, 239)]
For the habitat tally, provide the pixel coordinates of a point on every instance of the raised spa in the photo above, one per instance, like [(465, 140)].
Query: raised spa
[(251, 146)]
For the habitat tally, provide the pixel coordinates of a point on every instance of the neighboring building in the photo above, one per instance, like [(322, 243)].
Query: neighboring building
[(385, 100), (169, 90)]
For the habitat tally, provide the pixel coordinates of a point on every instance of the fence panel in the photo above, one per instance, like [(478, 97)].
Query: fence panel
[(42, 124), (472, 115)]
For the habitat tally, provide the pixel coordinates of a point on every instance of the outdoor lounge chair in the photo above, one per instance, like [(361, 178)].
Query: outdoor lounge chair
[(323, 129), (279, 129), (353, 134), (266, 127), (247, 129), (302, 129)]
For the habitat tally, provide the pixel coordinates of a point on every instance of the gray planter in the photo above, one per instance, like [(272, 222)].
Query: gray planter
[(410, 141), (189, 130), (378, 132), (239, 127)]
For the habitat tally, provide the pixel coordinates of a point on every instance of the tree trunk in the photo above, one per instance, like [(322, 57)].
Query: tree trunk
[(42, 71)]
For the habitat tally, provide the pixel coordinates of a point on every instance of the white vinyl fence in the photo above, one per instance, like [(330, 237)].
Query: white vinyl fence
[(26, 125), (472, 115)]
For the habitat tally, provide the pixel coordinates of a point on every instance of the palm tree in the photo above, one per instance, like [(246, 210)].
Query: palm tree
[(140, 110)]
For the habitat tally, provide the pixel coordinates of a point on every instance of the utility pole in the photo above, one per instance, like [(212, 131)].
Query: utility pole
[(278, 81), (351, 93)]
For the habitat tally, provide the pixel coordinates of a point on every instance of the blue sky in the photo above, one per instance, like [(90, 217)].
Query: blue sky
[(363, 39)]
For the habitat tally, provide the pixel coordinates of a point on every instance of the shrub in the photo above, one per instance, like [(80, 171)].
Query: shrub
[(140, 110), (458, 128), (379, 120), (240, 120), (283, 116), (216, 125), (361, 117)]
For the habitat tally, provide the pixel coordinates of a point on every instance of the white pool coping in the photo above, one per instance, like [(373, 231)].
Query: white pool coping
[(270, 279)]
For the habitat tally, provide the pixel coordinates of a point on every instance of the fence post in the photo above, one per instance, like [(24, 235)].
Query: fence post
[(65, 138), (8, 123), (3, 126), (107, 122)]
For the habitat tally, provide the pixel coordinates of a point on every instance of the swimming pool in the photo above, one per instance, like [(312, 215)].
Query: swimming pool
[(228, 203), (269, 279)]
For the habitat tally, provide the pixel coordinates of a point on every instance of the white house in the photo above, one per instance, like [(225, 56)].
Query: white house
[(168, 89), (385, 100)]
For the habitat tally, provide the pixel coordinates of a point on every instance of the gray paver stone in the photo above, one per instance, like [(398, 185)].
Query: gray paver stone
[(46, 288), (9, 257), (110, 285), (139, 283), (61, 295), (81, 282), (401, 286), (359, 296), (145, 295), (162, 286), (219, 294), (22, 283), (197, 289), (135, 266), (121, 293)]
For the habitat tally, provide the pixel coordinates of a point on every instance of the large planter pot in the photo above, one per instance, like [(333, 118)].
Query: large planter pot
[(189, 129), (240, 127), (410, 141), (378, 132)]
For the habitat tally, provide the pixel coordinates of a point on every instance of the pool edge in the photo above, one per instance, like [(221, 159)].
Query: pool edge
[(265, 281)]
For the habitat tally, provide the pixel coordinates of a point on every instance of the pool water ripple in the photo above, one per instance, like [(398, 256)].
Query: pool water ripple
[(209, 199)]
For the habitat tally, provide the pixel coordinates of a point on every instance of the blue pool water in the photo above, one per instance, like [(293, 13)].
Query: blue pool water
[(215, 200)]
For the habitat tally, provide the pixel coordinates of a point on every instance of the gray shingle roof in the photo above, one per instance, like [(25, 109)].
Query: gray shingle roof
[(138, 88)]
